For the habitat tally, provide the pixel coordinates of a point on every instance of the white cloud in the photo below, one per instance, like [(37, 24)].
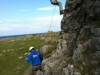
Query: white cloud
[(47, 8), (4, 29), (0, 21), (44, 22), (11, 20), (35, 25)]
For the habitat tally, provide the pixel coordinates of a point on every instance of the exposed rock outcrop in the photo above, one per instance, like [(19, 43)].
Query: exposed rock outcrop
[(78, 51), (45, 49)]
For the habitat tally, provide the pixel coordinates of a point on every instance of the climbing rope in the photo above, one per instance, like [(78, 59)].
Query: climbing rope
[(51, 21), (52, 18)]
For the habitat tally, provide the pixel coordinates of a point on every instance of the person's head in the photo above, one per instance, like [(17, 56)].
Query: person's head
[(31, 48)]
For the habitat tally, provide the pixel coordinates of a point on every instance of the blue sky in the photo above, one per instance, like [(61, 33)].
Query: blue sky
[(28, 16)]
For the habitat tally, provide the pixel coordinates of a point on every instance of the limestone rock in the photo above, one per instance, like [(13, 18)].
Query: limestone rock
[(79, 41)]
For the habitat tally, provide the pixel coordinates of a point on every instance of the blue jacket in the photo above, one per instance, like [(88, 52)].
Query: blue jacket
[(36, 57)]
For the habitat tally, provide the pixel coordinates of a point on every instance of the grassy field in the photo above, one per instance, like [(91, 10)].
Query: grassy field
[(12, 49)]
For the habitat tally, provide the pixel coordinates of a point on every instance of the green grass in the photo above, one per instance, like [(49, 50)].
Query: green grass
[(10, 63)]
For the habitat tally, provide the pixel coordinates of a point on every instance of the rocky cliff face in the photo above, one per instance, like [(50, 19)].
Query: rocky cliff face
[(78, 51)]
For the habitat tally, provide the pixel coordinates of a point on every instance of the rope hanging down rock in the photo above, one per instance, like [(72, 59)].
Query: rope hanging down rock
[(52, 18)]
